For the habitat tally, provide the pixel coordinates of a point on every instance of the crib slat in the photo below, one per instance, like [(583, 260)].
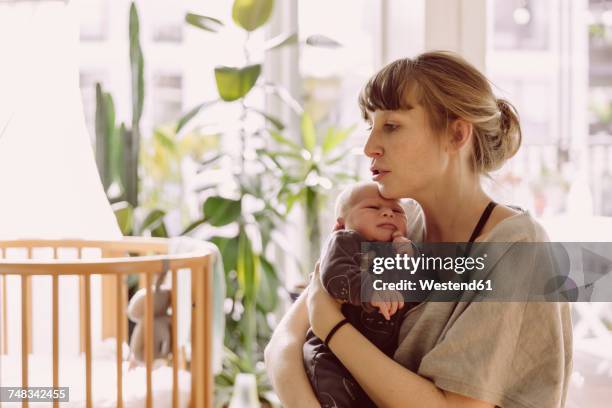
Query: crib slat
[(109, 296), (55, 336), (29, 307), (207, 335), (174, 340), (87, 279), (25, 335), (201, 380), (148, 340), (4, 316), (81, 308), (4, 333), (4, 324), (2, 319), (119, 337)]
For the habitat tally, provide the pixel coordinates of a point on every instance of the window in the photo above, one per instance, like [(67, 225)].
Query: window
[(93, 18), (167, 97)]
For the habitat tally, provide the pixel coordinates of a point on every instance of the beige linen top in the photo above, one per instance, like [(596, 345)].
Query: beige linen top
[(512, 354)]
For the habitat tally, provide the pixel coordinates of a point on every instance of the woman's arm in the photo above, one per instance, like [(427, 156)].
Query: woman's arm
[(283, 357), (388, 383)]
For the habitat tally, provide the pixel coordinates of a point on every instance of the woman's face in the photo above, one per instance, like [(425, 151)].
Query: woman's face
[(407, 157)]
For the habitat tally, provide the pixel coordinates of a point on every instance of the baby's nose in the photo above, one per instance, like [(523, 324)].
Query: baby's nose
[(387, 212)]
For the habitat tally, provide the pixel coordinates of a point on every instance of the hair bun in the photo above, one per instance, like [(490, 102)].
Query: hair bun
[(510, 134)]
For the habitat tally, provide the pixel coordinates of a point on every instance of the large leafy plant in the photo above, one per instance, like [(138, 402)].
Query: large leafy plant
[(250, 207), (308, 169), (249, 210)]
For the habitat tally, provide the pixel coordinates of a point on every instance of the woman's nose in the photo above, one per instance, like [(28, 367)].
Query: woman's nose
[(372, 149)]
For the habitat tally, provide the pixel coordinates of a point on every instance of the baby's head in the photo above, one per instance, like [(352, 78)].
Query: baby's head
[(361, 208)]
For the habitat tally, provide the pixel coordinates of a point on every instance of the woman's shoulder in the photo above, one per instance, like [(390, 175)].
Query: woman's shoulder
[(511, 223)]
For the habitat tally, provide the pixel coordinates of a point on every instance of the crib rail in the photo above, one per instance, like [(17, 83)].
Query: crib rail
[(146, 257)]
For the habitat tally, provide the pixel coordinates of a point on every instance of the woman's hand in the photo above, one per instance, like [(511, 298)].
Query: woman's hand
[(323, 310)]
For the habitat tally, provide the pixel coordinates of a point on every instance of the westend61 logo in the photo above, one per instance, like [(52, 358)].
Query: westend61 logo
[(421, 262), (489, 271)]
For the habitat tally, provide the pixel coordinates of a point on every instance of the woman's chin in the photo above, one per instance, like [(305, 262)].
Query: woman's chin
[(388, 192)]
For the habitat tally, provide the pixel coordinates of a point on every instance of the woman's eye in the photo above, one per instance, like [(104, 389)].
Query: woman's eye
[(390, 126), (398, 211), (372, 207)]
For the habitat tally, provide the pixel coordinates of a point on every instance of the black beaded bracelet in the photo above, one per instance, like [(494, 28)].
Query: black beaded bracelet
[(334, 330)]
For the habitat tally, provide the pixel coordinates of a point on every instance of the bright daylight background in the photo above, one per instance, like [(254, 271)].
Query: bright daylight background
[(551, 58)]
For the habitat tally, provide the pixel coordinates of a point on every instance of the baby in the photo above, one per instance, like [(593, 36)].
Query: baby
[(362, 215)]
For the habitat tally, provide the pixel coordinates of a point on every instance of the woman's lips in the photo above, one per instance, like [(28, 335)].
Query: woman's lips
[(378, 174)]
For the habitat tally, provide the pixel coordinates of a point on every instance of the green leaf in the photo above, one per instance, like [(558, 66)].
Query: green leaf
[(247, 272), (229, 251), (193, 226), (164, 140), (252, 14), (235, 83), (122, 142), (130, 141), (192, 113), (281, 41), (136, 66), (124, 213), (267, 295), (247, 266), (105, 130), (334, 137), (275, 121), (283, 140), (152, 220), (293, 198), (221, 211), (319, 40), (204, 22), (309, 136)]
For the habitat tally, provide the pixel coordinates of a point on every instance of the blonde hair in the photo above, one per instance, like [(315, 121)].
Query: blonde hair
[(448, 88)]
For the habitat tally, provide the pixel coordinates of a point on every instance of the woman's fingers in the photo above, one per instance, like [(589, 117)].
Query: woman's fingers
[(384, 309), (393, 307), (400, 299)]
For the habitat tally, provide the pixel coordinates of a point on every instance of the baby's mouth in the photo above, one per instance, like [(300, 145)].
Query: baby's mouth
[(387, 226)]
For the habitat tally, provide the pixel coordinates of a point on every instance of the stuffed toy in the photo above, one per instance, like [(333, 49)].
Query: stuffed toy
[(161, 322)]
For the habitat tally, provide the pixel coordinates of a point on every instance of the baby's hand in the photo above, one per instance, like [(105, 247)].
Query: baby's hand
[(387, 301), (402, 244)]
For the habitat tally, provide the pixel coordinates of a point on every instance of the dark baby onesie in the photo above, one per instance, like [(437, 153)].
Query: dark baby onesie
[(341, 273)]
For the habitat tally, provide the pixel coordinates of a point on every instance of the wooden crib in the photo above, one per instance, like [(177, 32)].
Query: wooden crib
[(146, 257)]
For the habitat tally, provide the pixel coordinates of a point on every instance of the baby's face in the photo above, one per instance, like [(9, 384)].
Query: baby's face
[(375, 217)]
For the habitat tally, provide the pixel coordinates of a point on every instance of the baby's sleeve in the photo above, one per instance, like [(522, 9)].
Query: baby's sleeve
[(341, 267)]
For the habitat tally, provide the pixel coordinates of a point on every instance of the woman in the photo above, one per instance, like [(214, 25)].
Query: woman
[(436, 128)]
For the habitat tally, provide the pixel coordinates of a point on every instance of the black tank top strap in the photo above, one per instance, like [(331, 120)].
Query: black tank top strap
[(481, 223)]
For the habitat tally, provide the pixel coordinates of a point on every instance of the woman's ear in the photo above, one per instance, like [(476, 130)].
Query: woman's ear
[(460, 133), (339, 224)]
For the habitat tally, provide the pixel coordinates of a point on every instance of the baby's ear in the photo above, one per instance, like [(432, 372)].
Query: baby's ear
[(339, 224)]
